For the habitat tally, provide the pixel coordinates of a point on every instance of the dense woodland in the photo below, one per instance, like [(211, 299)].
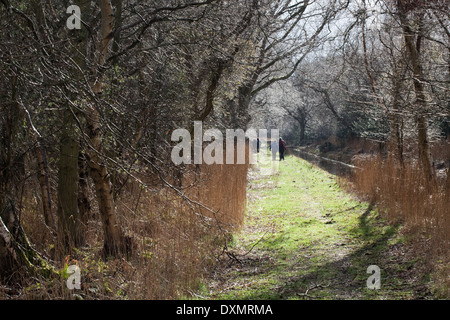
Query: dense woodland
[(86, 117)]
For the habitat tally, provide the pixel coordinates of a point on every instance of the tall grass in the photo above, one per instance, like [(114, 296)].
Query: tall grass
[(405, 195), (178, 230)]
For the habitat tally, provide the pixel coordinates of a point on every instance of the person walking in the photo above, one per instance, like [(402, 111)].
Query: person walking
[(282, 148)]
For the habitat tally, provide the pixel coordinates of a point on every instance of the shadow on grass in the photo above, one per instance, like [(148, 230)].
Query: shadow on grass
[(344, 278), (364, 226)]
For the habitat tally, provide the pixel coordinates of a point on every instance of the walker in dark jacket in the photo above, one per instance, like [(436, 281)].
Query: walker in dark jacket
[(282, 148)]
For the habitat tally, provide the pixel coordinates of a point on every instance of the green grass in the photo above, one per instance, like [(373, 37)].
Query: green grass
[(306, 238)]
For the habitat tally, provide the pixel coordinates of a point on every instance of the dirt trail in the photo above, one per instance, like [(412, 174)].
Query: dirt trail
[(306, 238)]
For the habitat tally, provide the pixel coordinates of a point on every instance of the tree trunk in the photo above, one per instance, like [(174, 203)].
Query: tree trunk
[(114, 239), (413, 45), (70, 231), (45, 187), (395, 144)]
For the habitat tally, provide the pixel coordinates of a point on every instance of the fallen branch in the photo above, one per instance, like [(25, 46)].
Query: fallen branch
[(316, 286)]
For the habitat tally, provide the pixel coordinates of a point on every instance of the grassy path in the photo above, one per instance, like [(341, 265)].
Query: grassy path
[(306, 238)]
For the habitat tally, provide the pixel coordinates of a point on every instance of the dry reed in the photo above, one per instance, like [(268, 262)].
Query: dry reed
[(403, 194), (178, 232)]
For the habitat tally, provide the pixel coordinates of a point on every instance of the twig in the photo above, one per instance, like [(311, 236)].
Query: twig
[(305, 294)]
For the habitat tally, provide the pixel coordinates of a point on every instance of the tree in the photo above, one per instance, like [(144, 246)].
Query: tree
[(413, 44)]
